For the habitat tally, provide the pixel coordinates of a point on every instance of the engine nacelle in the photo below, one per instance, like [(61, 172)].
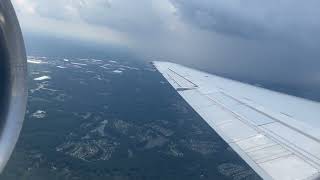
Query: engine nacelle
[(13, 79)]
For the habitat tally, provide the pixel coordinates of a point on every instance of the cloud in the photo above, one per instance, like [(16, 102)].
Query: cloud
[(285, 20), (63, 18), (273, 19), (273, 41), (24, 6)]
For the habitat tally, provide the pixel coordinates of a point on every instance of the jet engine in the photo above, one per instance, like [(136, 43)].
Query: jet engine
[(13, 79)]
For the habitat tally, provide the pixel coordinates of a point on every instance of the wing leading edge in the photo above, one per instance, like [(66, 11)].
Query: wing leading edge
[(276, 134)]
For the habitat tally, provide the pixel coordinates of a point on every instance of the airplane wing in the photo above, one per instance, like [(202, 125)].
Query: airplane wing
[(278, 135)]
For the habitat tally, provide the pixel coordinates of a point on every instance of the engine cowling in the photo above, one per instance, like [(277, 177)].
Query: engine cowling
[(13, 79)]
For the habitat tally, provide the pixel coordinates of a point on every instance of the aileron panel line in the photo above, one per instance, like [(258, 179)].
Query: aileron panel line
[(274, 140)]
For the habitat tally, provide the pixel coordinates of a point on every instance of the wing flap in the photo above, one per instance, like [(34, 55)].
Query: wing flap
[(272, 141)]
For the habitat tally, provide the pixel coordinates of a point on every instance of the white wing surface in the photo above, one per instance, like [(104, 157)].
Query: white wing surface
[(276, 134)]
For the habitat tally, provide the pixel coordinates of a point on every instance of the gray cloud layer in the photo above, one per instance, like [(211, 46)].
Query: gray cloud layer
[(254, 19), (274, 41)]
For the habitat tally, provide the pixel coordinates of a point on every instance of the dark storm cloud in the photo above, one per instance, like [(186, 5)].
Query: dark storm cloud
[(212, 17), (254, 19), (273, 41)]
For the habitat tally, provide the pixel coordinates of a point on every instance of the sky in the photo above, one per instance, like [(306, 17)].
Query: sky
[(275, 41)]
